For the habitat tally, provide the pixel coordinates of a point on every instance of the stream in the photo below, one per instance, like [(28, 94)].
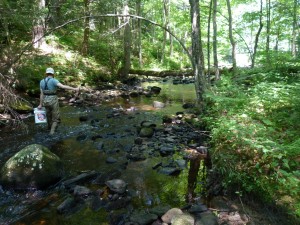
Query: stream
[(100, 139)]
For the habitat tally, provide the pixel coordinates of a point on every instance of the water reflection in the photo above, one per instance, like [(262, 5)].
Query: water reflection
[(196, 179)]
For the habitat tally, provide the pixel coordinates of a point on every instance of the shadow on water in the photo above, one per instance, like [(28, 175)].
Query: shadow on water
[(86, 146)]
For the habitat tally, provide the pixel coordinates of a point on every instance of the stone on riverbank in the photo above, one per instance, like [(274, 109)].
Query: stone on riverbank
[(35, 166), (170, 214), (183, 219)]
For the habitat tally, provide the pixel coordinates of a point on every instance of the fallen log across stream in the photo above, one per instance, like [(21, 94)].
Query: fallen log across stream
[(175, 73), (165, 73)]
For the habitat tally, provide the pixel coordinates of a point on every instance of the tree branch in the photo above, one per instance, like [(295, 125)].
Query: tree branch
[(17, 58)]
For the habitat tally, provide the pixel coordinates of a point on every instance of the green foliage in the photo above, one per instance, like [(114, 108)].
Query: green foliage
[(70, 68), (255, 134)]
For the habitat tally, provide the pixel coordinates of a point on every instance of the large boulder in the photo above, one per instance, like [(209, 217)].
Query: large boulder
[(35, 166)]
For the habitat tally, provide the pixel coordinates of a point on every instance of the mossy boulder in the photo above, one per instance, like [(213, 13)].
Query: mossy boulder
[(35, 166), (146, 132)]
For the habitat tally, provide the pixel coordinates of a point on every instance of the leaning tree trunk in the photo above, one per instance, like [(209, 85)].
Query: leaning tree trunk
[(231, 38), (200, 81), (39, 26)]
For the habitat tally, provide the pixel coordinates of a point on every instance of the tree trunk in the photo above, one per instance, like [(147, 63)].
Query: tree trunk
[(268, 4), (294, 35), (166, 24), (170, 36), (215, 42), (208, 40), (86, 35), (55, 16), (196, 52), (39, 26), (171, 46), (231, 38), (139, 33), (127, 44), (276, 47), (57, 11), (257, 35), (200, 45)]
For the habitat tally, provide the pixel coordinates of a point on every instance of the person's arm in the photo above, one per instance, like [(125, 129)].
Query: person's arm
[(41, 99), (67, 87)]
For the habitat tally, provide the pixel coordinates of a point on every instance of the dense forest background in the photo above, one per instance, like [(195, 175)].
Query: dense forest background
[(244, 55)]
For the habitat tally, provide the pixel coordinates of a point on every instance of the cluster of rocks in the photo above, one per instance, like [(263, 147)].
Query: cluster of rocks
[(174, 136), (165, 141), (91, 97), (184, 80), (115, 196)]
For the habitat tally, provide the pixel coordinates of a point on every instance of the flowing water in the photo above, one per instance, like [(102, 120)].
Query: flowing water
[(77, 144)]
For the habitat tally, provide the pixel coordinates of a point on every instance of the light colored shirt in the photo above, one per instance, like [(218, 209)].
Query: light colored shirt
[(51, 84)]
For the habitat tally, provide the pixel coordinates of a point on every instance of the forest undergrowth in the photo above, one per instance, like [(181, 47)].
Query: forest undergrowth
[(255, 141)]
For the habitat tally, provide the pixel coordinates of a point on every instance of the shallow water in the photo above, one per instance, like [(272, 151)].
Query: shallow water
[(75, 145)]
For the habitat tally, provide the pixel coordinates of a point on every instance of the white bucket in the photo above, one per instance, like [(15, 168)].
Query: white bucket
[(40, 115)]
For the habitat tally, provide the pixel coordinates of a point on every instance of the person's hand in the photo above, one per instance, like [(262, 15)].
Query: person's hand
[(39, 106)]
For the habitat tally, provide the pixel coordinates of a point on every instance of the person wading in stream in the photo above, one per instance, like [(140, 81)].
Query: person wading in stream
[(49, 100)]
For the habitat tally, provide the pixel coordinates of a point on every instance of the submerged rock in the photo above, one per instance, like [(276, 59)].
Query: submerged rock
[(169, 171), (82, 191), (207, 218), (35, 166), (111, 160), (81, 178), (146, 132), (118, 203), (155, 90), (117, 185), (66, 205), (157, 104), (143, 218)]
